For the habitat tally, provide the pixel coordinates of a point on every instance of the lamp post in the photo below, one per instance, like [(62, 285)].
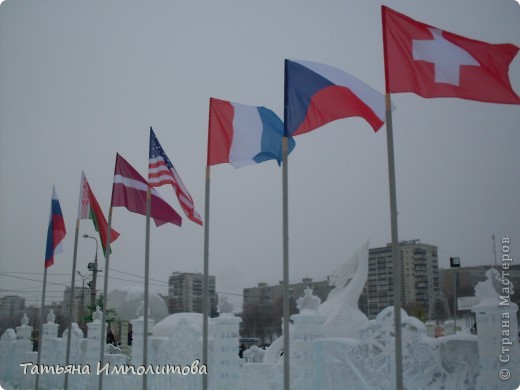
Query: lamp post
[(83, 278), (94, 268), (455, 263)]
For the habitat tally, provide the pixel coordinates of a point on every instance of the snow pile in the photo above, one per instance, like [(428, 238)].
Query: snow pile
[(127, 300), (165, 327)]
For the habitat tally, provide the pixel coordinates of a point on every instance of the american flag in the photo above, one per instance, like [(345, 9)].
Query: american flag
[(161, 172)]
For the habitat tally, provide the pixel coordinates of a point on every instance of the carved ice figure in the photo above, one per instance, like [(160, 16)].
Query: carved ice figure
[(308, 303), (98, 315), (497, 330), (8, 366), (254, 354), (274, 352), (25, 320), (490, 288), (51, 316), (344, 319), (224, 306), (140, 311), (76, 332)]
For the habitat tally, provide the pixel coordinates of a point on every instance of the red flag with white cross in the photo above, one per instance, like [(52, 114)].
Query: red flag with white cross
[(431, 62)]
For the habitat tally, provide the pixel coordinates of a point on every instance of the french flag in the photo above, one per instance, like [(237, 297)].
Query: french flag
[(56, 231), (316, 94), (242, 135)]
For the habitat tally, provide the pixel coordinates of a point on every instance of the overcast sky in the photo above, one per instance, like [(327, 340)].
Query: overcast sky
[(83, 80)]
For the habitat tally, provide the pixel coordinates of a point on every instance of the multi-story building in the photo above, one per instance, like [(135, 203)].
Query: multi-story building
[(419, 277), (419, 282), (81, 300), (263, 307), (11, 311), (185, 292), (265, 295), (12, 305)]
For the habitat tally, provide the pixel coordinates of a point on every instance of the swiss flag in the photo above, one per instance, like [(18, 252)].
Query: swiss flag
[(434, 63)]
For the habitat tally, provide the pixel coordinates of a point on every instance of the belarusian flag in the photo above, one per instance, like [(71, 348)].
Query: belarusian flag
[(89, 209)]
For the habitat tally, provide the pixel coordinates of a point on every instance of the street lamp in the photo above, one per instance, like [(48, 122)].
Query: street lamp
[(83, 277), (94, 268), (455, 263)]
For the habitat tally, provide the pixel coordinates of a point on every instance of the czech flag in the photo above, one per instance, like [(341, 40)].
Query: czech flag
[(56, 231), (316, 94), (242, 135)]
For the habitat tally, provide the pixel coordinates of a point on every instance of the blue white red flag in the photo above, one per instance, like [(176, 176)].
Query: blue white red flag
[(56, 231), (242, 135), (161, 171), (316, 94)]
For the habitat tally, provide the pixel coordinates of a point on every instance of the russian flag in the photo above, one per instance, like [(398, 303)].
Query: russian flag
[(242, 135), (56, 231), (316, 94)]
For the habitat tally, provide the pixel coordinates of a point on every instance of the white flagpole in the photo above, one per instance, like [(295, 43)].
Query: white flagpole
[(41, 325), (285, 217), (285, 201), (396, 256), (42, 310), (205, 284), (71, 300), (146, 281), (105, 298), (396, 253), (73, 281)]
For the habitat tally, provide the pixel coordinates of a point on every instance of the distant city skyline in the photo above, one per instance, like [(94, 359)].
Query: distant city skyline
[(82, 81), (167, 290)]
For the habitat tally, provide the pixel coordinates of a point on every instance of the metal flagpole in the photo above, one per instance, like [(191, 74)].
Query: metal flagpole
[(285, 238), (395, 245), (40, 337), (146, 280), (105, 289), (286, 337), (205, 284), (72, 291)]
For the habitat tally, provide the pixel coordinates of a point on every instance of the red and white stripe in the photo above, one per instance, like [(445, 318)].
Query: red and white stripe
[(159, 174)]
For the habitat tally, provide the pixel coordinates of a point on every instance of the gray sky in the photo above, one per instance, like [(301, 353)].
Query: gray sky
[(81, 81)]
